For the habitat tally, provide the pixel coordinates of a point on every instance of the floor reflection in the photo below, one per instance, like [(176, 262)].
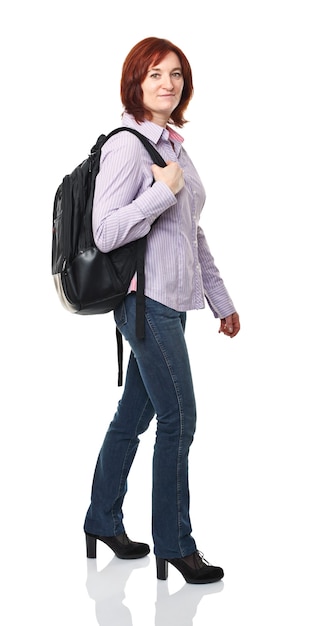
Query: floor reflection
[(181, 607), (107, 588)]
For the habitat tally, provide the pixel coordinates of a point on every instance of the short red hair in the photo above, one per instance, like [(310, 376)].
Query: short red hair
[(143, 55)]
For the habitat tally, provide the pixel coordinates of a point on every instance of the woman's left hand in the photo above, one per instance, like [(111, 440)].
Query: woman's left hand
[(230, 325)]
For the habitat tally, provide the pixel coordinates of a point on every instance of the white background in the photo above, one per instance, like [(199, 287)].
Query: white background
[(252, 137)]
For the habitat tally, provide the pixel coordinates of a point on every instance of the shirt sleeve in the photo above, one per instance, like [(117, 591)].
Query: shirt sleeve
[(126, 203), (215, 291)]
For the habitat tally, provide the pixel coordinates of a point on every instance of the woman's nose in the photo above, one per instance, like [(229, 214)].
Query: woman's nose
[(167, 83)]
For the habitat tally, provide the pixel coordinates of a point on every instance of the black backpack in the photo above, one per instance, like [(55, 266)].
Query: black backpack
[(88, 281)]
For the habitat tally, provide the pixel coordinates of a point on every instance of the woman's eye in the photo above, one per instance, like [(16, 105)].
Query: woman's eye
[(156, 75)]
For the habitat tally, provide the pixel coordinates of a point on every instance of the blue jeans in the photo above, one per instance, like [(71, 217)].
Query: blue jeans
[(158, 382)]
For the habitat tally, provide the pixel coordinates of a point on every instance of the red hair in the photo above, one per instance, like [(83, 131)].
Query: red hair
[(143, 55)]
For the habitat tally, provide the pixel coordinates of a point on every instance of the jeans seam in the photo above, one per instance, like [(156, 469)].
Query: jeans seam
[(123, 471), (179, 398), (178, 470)]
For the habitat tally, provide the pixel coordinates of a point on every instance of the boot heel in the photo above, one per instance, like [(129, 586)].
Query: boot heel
[(91, 545), (162, 568)]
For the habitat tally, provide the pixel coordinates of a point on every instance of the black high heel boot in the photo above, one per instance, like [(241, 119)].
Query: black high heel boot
[(194, 569), (121, 545), (162, 568)]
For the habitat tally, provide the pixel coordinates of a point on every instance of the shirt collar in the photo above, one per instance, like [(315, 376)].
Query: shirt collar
[(152, 131)]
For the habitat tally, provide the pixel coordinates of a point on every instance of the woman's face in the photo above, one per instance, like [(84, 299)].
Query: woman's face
[(162, 88)]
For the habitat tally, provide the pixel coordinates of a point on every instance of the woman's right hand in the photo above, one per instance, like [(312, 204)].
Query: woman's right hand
[(171, 175)]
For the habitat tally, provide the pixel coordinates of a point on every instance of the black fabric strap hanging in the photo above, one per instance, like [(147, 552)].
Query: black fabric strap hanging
[(141, 249)]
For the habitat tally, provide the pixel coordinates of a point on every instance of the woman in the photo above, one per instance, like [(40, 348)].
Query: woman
[(156, 87)]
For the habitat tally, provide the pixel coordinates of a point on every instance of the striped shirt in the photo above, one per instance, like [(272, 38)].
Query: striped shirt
[(179, 268)]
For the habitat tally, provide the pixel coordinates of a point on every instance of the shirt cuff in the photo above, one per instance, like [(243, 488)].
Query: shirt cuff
[(220, 303), (155, 201)]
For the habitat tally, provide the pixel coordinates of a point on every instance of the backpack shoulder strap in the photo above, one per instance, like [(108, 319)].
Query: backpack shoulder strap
[(141, 247), (156, 157)]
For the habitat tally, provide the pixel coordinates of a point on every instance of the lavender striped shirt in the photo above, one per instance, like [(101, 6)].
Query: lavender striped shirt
[(179, 268)]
